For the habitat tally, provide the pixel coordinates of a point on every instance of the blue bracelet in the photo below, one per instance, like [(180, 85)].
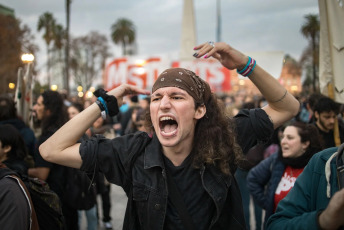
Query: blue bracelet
[(243, 70), (252, 69), (104, 104)]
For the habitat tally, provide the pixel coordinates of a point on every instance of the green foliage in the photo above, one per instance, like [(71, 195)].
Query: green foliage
[(15, 39), (123, 32), (311, 30)]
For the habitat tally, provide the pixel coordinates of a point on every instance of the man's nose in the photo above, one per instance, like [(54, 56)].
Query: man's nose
[(165, 102), (332, 120)]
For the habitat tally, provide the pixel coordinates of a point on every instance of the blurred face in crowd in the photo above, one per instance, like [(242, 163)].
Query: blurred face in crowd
[(72, 111), (144, 104), (3, 152), (326, 120), (39, 109), (140, 126), (291, 144)]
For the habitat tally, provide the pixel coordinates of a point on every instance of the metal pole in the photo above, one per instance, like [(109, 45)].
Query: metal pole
[(18, 98), (218, 21)]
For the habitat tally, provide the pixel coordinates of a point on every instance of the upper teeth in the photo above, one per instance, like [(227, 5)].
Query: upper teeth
[(166, 118)]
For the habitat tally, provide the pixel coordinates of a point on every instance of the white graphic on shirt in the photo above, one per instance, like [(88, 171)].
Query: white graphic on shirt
[(286, 183)]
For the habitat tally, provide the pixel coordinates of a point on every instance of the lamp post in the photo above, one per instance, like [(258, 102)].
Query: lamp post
[(27, 59)]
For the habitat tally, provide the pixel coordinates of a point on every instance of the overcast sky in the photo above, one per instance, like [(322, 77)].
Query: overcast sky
[(250, 25)]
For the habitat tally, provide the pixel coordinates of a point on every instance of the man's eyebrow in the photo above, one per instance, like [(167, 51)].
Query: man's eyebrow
[(156, 95), (170, 94)]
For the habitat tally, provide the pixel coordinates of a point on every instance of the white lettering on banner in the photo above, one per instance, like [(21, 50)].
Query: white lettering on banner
[(145, 72), (212, 72), (116, 73)]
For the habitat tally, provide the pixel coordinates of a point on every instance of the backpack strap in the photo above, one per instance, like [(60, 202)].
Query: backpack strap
[(6, 172), (340, 166)]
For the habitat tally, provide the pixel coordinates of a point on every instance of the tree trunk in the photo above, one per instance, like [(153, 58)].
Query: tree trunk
[(48, 66), (314, 67), (66, 78), (124, 48)]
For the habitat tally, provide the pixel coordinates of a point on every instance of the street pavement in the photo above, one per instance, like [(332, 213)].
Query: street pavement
[(118, 205)]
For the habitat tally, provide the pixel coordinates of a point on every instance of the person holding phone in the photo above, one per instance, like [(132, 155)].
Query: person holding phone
[(317, 199)]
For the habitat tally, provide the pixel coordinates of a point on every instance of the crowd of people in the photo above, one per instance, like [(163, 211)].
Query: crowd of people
[(186, 157)]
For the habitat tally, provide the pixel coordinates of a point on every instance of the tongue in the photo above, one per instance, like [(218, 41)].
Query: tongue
[(169, 128)]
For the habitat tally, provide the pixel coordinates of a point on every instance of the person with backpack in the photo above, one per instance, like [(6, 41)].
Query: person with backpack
[(46, 208), (183, 175), (16, 207)]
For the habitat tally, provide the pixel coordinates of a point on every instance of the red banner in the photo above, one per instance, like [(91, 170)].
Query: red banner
[(144, 72)]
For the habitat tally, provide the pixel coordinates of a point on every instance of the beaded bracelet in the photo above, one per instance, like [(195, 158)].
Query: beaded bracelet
[(248, 69), (102, 109)]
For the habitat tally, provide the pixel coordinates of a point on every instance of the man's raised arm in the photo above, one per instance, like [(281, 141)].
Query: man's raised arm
[(281, 107), (62, 147)]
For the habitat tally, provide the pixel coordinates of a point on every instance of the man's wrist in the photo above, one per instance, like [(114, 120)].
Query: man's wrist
[(242, 66), (323, 222), (318, 220)]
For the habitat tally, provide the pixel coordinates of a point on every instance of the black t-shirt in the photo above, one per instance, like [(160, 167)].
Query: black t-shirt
[(56, 178), (328, 137), (198, 202), (253, 127)]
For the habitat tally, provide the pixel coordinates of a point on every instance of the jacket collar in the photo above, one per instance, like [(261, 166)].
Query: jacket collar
[(153, 154)]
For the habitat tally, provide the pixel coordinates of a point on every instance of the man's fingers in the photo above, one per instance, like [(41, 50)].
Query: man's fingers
[(200, 46), (205, 50), (131, 89)]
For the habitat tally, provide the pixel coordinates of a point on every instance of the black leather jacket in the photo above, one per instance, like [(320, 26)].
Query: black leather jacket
[(145, 184)]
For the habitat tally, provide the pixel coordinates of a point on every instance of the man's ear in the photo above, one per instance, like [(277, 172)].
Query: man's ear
[(47, 112), (200, 112), (316, 114), (7, 148)]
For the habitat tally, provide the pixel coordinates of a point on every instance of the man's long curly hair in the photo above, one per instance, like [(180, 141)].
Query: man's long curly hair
[(53, 101), (214, 139)]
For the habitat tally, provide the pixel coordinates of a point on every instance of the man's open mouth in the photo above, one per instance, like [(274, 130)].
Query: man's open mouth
[(168, 125)]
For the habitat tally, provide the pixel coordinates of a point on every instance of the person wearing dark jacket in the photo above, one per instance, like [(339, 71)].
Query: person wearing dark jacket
[(270, 180), (194, 146), (16, 209), (316, 201), (326, 113)]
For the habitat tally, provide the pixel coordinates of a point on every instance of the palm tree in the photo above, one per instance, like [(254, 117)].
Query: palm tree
[(311, 30), (47, 22), (59, 41), (123, 31), (59, 37)]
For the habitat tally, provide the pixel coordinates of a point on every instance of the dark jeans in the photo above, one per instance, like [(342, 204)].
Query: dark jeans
[(240, 176), (106, 204), (71, 217)]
